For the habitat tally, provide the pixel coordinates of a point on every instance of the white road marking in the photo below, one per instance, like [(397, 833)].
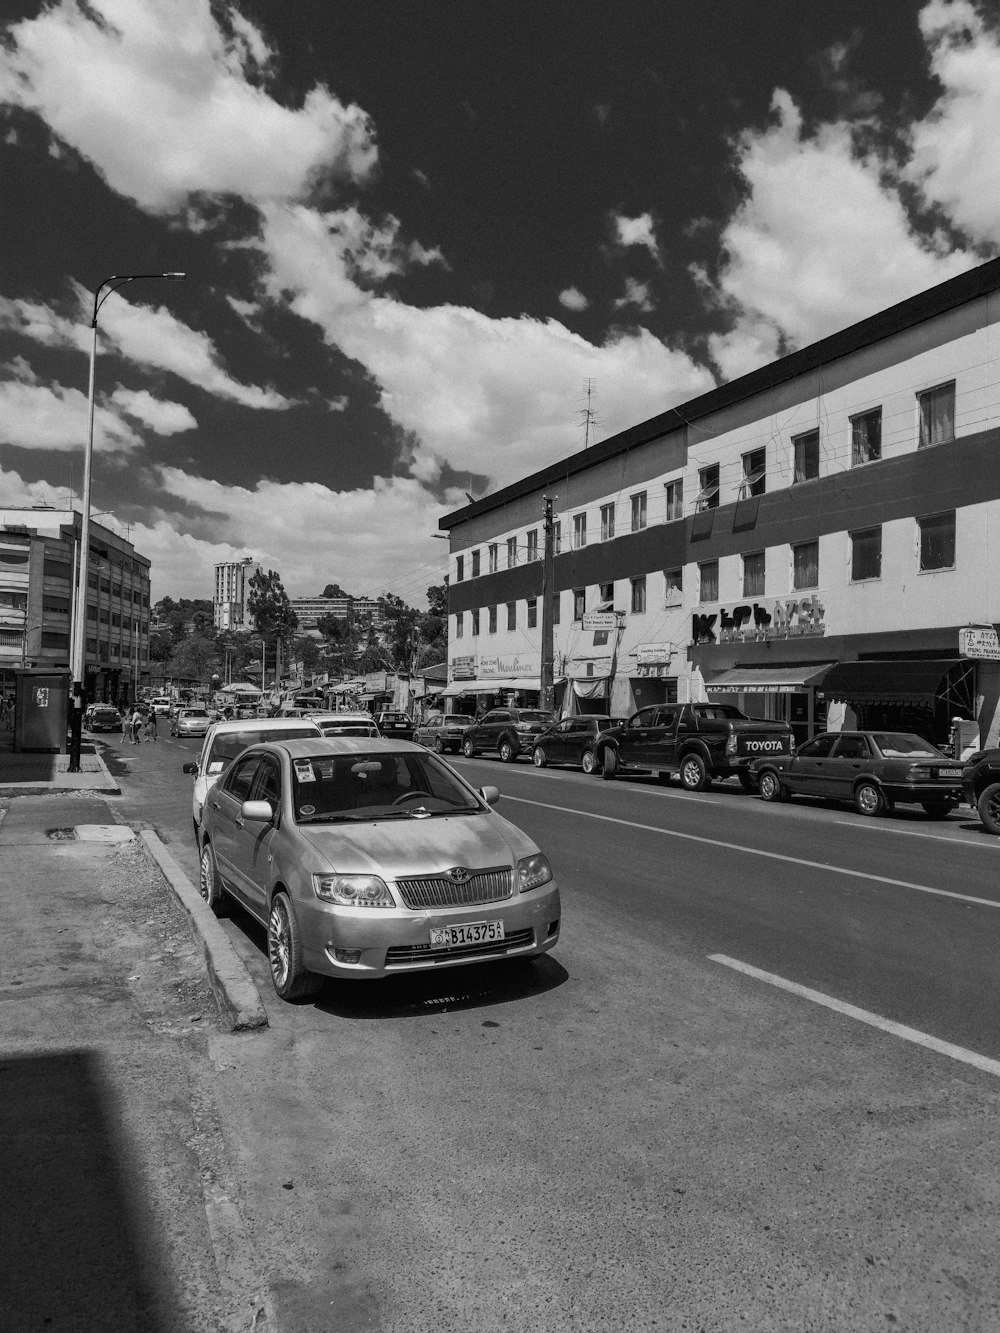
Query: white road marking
[(919, 1038), (910, 833), (757, 851)]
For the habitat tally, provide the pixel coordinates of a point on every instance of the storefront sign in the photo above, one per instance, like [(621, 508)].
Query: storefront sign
[(656, 669), (463, 668), (652, 652), (513, 665), (788, 619), (599, 620), (982, 644)]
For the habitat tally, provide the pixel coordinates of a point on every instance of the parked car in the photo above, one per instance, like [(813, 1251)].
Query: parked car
[(226, 739), (443, 731), (345, 723), (573, 741), (509, 731), (697, 741), (981, 784), (190, 722), (874, 769), (160, 704), (367, 858), (395, 725), (102, 717)]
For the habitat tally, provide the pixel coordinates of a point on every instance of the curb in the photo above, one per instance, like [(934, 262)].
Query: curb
[(65, 784), (235, 992)]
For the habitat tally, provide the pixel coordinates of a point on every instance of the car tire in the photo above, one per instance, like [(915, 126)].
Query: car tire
[(746, 779), (937, 809), (538, 757), (438, 745), (694, 773), (290, 979), (988, 806), (588, 762), (468, 749), (609, 764), (769, 786), (506, 751), (868, 799), (209, 884)]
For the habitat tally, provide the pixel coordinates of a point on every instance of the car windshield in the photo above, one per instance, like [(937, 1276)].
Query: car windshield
[(193, 712), (384, 785), (532, 715), (455, 720), (901, 745), (603, 723), (226, 745), (331, 727)]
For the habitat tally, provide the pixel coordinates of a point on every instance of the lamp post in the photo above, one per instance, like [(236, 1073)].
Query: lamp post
[(80, 620)]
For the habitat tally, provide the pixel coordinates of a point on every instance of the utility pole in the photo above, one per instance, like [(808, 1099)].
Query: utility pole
[(548, 655)]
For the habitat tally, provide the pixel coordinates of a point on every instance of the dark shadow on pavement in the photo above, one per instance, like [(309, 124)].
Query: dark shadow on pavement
[(72, 1252)]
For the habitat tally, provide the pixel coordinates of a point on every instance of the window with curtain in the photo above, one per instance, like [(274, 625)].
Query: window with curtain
[(475, 564), (459, 568), (607, 522), (866, 437), (532, 613), (639, 511), (805, 565), (639, 594), (937, 415), (494, 566), (606, 595), (511, 552), (459, 625), (579, 602), (556, 537), (866, 554), (754, 481), (708, 581), (533, 544), (673, 586), (753, 574), (492, 612), (579, 530), (674, 495), (805, 449), (512, 615), (937, 541), (475, 623)]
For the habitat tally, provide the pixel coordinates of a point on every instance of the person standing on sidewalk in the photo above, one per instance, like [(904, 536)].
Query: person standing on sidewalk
[(75, 727), (136, 726), (126, 724)]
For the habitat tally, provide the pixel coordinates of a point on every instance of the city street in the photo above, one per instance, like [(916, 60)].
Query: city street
[(756, 1082)]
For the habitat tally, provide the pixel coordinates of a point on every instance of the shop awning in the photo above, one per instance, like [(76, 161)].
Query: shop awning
[(769, 680), (889, 680), (493, 686)]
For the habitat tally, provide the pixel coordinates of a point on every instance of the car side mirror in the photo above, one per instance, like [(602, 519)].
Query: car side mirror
[(257, 810), (191, 769), (490, 794)]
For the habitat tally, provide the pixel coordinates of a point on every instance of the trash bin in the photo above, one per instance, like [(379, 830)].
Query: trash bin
[(41, 706)]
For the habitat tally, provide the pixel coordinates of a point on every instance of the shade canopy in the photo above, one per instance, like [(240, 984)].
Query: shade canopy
[(889, 680), (491, 686), (769, 680), (239, 687)]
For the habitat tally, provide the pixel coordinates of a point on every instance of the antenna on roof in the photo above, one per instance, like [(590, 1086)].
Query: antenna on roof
[(588, 414)]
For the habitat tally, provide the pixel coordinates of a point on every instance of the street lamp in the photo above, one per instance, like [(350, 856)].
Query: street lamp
[(79, 638)]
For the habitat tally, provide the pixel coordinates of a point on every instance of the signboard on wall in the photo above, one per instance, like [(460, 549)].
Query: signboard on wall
[(980, 643), (599, 620), (513, 664), (787, 618), (647, 653), (463, 668)]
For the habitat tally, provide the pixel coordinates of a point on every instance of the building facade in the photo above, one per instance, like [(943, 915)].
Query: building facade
[(39, 553), (229, 598), (817, 541), (310, 610)]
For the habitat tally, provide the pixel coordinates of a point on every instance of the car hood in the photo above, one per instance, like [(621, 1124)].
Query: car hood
[(393, 848)]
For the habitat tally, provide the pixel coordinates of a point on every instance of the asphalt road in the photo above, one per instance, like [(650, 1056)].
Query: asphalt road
[(756, 1084)]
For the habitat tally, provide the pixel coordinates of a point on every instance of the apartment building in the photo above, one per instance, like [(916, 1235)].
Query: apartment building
[(39, 551), (310, 610), (817, 541), (229, 598)]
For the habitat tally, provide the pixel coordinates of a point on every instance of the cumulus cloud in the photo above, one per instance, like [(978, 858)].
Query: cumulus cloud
[(161, 417), (637, 295), (573, 299), (39, 416), (638, 231), (820, 241), (956, 149), (156, 96), (493, 396)]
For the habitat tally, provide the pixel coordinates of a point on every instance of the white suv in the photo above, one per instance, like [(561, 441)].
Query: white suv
[(225, 740)]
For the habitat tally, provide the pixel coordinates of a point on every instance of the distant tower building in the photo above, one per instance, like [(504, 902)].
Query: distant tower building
[(229, 602)]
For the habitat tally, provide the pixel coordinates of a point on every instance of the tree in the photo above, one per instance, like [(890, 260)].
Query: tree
[(334, 590), (194, 659), (437, 599), (268, 604)]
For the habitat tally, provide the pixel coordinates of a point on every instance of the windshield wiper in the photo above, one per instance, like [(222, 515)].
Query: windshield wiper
[(336, 818)]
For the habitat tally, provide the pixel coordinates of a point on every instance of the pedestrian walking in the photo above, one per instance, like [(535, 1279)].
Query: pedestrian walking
[(126, 724), (136, 726), (151, 725)]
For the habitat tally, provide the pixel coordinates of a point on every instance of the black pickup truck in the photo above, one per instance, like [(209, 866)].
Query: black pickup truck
[(698, 741), (981, 784)]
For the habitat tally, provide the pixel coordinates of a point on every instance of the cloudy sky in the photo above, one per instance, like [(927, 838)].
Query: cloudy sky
[(415, 232)]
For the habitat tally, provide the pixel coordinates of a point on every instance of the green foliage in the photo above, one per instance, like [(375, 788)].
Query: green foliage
[(196, 659), (334, 590), (268, 604)]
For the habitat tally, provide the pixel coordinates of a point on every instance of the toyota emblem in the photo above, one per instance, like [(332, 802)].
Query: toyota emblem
[(458, 874)]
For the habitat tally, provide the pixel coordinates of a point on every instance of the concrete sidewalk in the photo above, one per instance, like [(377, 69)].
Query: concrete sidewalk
[(26, 774)]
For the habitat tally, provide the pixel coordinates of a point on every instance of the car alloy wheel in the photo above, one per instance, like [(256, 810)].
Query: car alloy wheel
[(209, 885), (769, 786), (468, 749), (609, 766), (289, 977), (589, 762), (868, 799), (506, 752), (539, 757), (694, 774), (988, 806), (438, 745)]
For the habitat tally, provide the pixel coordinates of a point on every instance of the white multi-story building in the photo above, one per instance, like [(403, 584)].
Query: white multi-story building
[(818, 540), (230, 596), (309, 610)]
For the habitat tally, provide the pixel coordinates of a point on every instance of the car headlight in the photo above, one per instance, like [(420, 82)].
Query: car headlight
[(352, 890), (533, 871)]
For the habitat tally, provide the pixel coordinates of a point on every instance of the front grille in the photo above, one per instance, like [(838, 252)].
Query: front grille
[(483, 886), (404, 954)]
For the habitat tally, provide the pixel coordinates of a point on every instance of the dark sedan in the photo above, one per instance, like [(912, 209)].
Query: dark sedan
[(443, 731), (874, 769), (572, 741), (104, 719)]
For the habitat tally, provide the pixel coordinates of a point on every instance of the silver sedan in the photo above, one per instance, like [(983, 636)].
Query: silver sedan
[(366, 858)]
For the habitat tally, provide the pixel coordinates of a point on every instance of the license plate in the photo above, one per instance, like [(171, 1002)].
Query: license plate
[(475, 932)]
